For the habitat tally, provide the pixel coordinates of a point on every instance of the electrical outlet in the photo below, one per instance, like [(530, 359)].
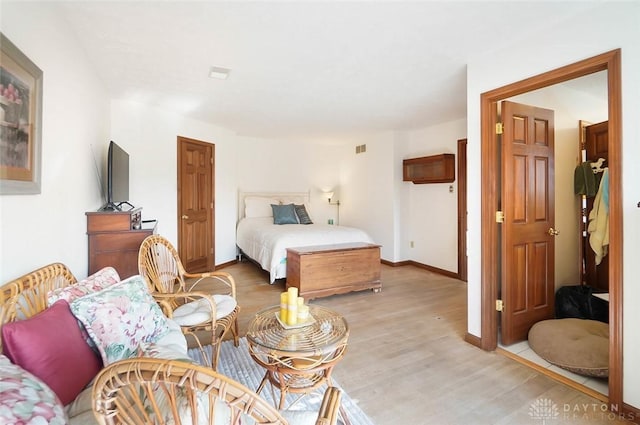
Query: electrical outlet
[(411, 244)]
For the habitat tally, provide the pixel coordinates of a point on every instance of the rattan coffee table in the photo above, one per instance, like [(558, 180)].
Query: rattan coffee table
[(297, 360)]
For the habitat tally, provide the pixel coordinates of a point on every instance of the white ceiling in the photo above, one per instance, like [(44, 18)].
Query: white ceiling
[(302, 69)]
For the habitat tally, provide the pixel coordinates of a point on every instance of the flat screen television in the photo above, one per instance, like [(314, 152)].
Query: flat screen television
[(117, 178)]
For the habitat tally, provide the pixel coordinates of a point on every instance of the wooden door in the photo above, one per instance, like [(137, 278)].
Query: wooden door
[(196, 204), (491, 192), (596, 146), (597, 141), (528, 287)]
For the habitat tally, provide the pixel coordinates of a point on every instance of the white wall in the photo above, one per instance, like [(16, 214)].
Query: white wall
[(402, 199), (149, 135), (36, 230), (367, 188), (604, 28), (363, 183), (433, 210), (569, 107), (267, 165)]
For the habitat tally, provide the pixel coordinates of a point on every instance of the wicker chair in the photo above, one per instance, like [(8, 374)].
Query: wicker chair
[(144, 390), (27, 296), (175, 290)]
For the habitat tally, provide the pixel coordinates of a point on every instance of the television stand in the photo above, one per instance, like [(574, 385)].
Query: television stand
[(115, 238)]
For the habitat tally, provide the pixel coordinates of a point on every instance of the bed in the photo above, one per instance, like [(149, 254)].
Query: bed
[(266, 243)]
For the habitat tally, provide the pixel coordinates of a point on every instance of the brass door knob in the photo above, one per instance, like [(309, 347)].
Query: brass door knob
[(185, 217), (553, 232)]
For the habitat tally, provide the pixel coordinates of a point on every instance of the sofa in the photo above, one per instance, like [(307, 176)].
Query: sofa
[(58, 334)]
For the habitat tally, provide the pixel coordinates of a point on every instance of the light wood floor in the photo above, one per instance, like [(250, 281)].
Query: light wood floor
[(408, 364)]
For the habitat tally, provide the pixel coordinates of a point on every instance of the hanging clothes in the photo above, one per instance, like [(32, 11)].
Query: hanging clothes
[(598, 228), (585, 181)]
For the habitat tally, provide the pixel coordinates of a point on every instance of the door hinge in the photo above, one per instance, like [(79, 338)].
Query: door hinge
[(499, 217), (211, 159), (499, 128), (499, 305)]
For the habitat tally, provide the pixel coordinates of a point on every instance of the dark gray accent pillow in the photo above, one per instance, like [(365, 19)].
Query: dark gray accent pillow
[(303, 215), (284, 214)]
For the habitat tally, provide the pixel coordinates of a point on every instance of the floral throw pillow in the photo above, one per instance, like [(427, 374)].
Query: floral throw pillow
[(24, 399), (96, 282), (120, 318)]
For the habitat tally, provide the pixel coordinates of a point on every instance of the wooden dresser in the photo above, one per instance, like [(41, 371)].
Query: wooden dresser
[(114, 240), (323, 270)]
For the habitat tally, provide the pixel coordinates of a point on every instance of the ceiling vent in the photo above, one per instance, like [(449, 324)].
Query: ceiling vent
[(219, 73)]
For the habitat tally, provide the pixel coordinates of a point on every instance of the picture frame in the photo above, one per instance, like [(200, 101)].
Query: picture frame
[(20, 122)]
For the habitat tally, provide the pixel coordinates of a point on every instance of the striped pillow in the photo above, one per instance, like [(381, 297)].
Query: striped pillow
[(303, 215)]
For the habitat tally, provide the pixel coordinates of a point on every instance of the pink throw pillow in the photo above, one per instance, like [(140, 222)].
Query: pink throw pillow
[(50, 346), (101, 279)]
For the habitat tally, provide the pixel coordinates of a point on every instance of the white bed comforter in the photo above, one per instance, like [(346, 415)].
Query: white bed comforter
[(267, 243)]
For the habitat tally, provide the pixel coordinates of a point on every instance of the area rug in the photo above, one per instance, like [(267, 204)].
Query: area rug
[(236, 363)]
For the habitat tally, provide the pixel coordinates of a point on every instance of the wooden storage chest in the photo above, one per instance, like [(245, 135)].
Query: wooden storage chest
[(323, 270)]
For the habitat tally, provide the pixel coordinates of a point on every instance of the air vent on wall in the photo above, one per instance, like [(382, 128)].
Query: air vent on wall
[(361, 148)]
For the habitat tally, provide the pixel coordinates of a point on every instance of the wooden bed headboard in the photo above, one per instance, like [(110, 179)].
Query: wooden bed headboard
[(282, 197)]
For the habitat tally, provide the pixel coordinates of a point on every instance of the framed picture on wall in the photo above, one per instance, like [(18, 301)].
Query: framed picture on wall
[(20, 122)]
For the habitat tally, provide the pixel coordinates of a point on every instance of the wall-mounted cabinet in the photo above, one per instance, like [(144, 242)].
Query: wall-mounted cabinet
[(430, 169)]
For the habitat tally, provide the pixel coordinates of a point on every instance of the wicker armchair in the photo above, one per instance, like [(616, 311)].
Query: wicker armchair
[(144, 390), (189, 298)]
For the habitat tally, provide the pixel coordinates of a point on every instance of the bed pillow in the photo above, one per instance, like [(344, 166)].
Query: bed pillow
[(50, 346), (303, 215), (284, 214), (120, 318), (255, 206)]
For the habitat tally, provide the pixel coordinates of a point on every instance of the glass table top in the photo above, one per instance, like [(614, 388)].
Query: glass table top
[(327, 331)]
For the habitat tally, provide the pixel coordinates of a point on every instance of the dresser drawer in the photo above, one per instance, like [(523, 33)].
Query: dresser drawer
[(125, 241)]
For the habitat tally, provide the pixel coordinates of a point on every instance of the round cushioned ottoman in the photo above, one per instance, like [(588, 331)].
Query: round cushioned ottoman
[(578, 345)]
